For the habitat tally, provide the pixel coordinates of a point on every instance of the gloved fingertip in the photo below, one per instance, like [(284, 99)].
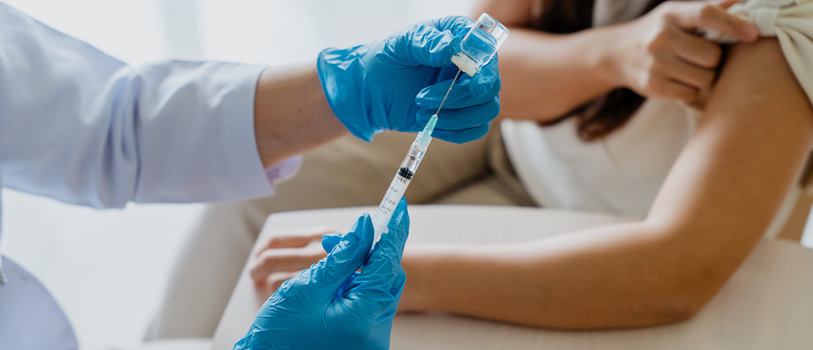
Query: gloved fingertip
[(455, 45), (424, 102), (358, 226), (431, 96), (399, 226), (462, 25), (354, 245), (330, 240), (479, 86), (361, 234), (485, 81), (462, 136), (401, 214), (398, 284), (422, 95), (452, 45), (342, 262), (367, 233), (432, 47)]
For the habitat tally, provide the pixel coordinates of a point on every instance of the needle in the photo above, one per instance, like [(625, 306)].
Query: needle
[(448, 91)]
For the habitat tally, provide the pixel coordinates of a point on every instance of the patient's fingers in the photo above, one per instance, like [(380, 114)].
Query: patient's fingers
[(274, 281), (296, 239), (286, 260), (713, 15)]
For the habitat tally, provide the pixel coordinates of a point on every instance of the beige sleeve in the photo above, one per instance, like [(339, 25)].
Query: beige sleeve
[(791, 22)]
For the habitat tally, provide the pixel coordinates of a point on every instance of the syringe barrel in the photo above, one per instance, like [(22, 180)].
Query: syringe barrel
[(412, 161), (398, 186), (383, 214)]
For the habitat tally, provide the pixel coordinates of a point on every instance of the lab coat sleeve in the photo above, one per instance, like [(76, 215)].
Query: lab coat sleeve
[(82, 127)]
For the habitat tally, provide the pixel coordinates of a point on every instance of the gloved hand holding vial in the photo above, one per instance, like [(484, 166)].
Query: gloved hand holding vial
[(477, 49)]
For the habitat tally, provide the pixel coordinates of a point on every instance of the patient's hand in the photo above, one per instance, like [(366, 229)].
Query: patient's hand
[(284, 255), (660, 55)]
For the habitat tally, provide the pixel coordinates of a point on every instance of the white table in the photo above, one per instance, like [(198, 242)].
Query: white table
[(767, 304)]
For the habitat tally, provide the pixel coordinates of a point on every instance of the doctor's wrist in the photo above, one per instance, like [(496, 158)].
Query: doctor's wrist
[(291, 114)]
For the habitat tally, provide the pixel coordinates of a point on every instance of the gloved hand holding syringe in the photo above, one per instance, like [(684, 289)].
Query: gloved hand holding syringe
[(477, 48)]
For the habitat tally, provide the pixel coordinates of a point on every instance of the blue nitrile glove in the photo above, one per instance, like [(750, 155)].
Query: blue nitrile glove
[(330, 305), (397, 84)]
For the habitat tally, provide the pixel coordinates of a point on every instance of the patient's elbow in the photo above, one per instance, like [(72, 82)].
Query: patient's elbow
[(682, 295), (684, 268), (675, 308), (676, 294), (655, 310)]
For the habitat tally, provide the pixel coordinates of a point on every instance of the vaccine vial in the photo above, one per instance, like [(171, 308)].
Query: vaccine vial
[(480, 44)]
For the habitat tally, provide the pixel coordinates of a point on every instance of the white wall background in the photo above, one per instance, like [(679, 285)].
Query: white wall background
[(108, 268)]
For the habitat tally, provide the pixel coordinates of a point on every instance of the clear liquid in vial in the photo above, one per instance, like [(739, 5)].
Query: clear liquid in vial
[(480, 46)]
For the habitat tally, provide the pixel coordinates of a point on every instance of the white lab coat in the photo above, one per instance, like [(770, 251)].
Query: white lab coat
[(82, 127)]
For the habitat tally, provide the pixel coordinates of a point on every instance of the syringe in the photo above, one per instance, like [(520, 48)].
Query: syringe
[(406, 171), (477, 48)]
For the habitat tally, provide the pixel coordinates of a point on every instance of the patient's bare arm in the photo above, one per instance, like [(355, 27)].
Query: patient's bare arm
[(715, 205)]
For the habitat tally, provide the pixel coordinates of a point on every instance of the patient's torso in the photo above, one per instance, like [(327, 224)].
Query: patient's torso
[(620, 174)]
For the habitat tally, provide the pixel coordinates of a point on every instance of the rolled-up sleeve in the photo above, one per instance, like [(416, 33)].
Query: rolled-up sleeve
[(82, 127), (790, 22)]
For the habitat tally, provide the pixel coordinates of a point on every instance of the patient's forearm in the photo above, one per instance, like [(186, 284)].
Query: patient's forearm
[(613, 276), (545, 76), (716, 203)]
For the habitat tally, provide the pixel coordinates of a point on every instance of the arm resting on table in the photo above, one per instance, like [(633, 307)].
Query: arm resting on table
[(719, 198)]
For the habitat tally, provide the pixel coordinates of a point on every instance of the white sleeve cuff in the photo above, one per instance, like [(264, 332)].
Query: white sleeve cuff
[(248, 176), (284, 170)]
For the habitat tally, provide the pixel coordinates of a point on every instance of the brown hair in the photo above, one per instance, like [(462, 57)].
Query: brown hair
[(603, 115)]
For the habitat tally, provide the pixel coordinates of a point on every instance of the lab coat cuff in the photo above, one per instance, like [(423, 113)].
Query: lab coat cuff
[(243, 157), (284, 170)]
